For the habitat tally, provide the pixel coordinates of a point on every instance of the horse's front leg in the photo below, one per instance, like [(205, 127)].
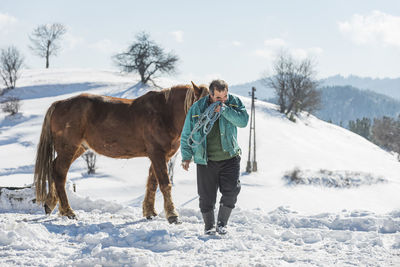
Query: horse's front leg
[(149, 199), (159, 165)]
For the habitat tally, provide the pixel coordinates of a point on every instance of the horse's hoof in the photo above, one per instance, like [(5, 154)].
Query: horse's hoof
[(174, 220), (69, 214), (149, 214), (72, 216), (47, 210)]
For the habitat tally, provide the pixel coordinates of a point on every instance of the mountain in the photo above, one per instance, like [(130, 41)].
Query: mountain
[(340, 104), (385, 86), (322, 195)]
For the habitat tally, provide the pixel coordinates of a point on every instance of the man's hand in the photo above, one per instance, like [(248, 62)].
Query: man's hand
[(185, 164), (218, 108)]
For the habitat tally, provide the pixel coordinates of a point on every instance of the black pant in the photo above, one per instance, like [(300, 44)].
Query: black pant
[(218, 174)]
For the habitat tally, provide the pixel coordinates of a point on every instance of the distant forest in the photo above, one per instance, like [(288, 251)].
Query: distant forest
[(341, 104)]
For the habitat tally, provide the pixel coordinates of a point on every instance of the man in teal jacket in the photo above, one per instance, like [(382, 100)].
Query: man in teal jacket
[(218, 156)]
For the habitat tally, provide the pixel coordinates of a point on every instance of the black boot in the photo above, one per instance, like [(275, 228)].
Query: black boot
[(209, 222), (223, 216)]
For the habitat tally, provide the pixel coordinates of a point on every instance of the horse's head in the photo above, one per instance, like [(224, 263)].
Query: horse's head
[(199, 91), (194, 94)]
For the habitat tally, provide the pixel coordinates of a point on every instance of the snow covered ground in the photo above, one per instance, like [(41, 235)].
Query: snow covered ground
[(277, 222)]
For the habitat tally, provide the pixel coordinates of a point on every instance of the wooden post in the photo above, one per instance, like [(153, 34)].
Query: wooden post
[(252, 135), (254, 130), (248, 167)]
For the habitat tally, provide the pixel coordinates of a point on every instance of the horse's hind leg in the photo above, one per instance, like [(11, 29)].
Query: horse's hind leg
[(52, 199), (149, 199), (61, 167)]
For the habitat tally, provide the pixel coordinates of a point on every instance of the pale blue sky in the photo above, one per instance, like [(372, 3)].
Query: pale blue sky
[(232, 40)]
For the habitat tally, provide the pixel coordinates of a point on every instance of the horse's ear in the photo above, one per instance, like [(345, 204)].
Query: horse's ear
[(197, 90)]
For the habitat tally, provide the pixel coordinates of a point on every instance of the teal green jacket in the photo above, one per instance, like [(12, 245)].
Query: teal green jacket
[(233, 115)]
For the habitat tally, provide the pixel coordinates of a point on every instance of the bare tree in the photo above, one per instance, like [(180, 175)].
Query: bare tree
[(10, 63), (147, 58), (45, 40), (294, 85)]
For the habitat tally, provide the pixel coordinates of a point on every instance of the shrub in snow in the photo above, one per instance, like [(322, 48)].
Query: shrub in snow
[(293, 176), (338, 179), (11, 105), (90, 159)]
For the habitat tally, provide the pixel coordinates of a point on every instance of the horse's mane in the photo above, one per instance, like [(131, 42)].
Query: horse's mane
[(190, 95), (166, 92)]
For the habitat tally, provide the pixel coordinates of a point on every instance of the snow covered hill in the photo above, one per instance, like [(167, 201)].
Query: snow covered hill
[(322, 195)]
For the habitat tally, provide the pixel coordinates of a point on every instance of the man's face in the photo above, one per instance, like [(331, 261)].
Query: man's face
[(221, 96)]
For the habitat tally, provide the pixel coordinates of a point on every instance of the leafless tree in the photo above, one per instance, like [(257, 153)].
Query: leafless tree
[(147, 58), (45, 40), (90, 159), (11, 61), (294, 85)]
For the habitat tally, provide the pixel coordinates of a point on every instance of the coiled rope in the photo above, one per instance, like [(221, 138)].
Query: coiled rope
[(205, 122)]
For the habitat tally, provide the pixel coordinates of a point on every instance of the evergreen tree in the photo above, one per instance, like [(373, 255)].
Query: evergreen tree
[(386, 133), (361, 127)]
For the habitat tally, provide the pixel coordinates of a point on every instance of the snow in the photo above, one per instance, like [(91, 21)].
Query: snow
[(344, 210)]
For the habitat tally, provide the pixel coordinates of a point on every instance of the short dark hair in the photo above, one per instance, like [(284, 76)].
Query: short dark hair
[(219, 85)]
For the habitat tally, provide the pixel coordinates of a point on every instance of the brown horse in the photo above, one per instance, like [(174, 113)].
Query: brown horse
[(148, 126)]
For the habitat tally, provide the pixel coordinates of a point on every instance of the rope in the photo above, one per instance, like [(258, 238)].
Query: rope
[(206, 121)]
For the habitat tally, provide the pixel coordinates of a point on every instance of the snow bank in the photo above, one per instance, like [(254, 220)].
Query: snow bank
[(111, 234), (328, 178), (18, 200), (255, 238)]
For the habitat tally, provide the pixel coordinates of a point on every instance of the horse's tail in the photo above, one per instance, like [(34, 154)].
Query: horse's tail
[(44, 159)]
